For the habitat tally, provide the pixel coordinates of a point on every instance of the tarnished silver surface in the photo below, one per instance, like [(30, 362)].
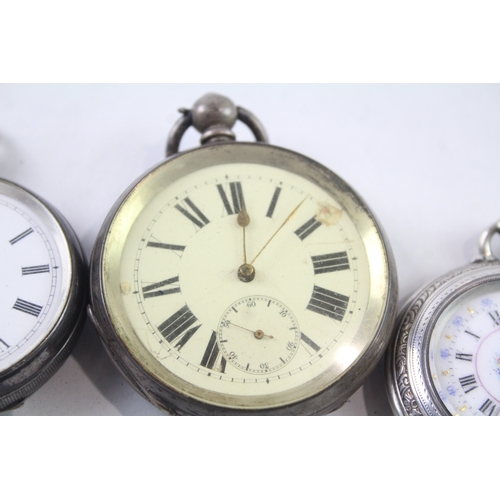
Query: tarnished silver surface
[(373, 342), (409, 386), (30, 373), (213, 115)]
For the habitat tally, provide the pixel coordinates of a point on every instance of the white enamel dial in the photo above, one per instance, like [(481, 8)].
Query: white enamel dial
[(258, 334), (464, 353), (35, 274), (178, 282)]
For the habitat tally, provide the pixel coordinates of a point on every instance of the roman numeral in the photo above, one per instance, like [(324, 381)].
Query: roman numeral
[(3, 345), (177, 327), (35, 270), (27, 307), (463, 356), (166, 246), (211, 354), (330, 262), (487, 406), (306, 229), (473, 334), (236, 198), (198, 218), (467, 381), (146, 290), (274, 200), (495, 317), (20, 236), (309, 342), (328, 303)]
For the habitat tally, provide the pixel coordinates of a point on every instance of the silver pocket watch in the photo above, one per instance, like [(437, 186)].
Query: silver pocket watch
[(241, 278), (42, 289), (445, 359)]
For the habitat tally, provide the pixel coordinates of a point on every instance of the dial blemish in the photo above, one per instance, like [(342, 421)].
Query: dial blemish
[(328, 214), (125, 288)]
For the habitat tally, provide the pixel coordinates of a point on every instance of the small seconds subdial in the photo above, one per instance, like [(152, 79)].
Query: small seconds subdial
[(258, 334)]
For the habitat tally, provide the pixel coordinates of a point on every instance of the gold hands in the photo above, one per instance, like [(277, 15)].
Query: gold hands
[(292, 213), (243, 220), (246, 272), (258, 334)]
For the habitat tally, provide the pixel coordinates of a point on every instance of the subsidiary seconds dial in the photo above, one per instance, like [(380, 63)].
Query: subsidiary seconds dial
[(258, 334), (242, 278)]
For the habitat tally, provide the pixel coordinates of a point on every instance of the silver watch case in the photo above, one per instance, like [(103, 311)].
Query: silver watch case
[(168, 398), (409, 385), (27, 375)]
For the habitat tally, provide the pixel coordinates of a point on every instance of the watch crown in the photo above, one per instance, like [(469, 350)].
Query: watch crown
[(214, 115)]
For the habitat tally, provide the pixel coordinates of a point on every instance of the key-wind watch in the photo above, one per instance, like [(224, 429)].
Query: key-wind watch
[(241, 278)]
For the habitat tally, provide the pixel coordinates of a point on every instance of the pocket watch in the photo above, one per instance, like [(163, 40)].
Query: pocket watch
[(445, 359), (241, 278), (43, 293)]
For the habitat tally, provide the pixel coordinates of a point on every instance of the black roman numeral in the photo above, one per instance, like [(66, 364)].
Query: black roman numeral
[(473, 334), (27, 307), (211, 354), (198, 218), (3, 345), (306, 229), (274, 200), (35, 270), (146, 290), (328, 303), (166, 246), (469, 380), (330, 262), (21, 236), (177, 327), (463, 356), (309, 342), (487, 406), (236, 198), (495, 317)]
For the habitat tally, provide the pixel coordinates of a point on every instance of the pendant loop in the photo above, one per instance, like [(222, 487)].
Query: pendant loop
[(485, 242), (214, 116)]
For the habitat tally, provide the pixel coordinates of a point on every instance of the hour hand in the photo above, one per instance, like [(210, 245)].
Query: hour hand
[(246, 272)]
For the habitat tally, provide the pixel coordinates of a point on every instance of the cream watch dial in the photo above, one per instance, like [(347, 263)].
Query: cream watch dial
[(182, 297), (35, 277), (464, 354)]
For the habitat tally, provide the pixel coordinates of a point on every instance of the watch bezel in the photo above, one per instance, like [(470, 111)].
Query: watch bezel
[(409, 380), (383, 296), (27, 375)]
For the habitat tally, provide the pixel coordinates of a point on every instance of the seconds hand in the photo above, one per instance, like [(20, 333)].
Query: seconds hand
[(258, 334)]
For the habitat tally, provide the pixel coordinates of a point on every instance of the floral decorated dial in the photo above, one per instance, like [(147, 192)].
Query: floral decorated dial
[(464, 353)]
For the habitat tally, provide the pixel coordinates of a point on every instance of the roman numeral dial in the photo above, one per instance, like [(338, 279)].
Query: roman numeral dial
[(211, 328), (328, 303), (165, 287), (192, 212), (234, 203), (331, 262), (178, 328)]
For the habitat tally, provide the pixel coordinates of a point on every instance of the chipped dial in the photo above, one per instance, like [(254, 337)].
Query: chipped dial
[(241, 278), (446, 357)]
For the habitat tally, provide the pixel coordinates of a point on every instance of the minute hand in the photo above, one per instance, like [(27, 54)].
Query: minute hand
[(292, 213)]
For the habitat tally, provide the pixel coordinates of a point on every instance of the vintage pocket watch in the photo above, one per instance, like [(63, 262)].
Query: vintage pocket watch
[(43, 293), (241, 278), (445, 359)]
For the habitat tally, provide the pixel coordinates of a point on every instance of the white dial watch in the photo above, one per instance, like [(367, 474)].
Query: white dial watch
[(42, 290)]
